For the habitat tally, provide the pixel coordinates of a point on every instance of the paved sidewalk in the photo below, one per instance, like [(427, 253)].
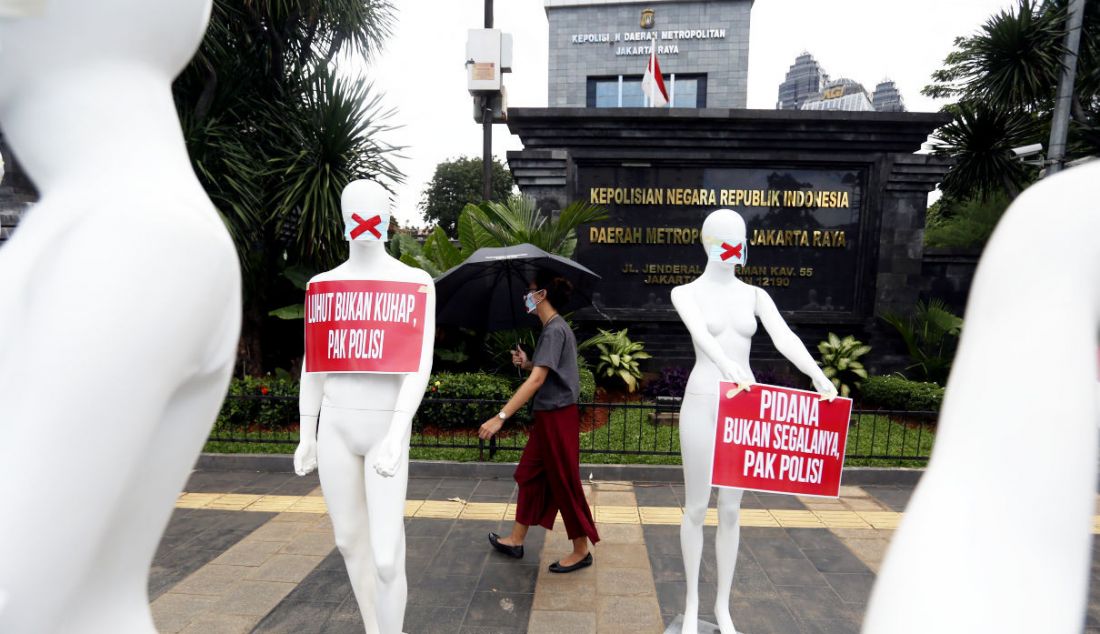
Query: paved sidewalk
[(254, 552)]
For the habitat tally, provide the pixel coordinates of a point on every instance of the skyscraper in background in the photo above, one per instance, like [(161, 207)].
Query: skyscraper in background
[(805, 79), (887, 98)]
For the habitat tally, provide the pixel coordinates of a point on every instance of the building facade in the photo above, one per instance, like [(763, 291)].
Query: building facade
[(887, 97), (842, 94), (805, 79), (599, 50)]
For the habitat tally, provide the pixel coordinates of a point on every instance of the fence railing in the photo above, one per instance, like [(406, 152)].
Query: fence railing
[(609, 431)]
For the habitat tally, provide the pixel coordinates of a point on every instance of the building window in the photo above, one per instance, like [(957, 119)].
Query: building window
[(625, 91)]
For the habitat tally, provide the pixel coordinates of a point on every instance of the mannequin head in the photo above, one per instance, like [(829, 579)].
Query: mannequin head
[(723, 238), (72, 36), (366, 211)]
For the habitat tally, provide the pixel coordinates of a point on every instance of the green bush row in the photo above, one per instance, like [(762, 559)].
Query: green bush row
[(265, 414), (895, 392)]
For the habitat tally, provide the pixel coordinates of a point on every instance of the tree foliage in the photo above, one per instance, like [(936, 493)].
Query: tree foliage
[(274, 135), (493, 224), (1004, 78), (457, 183)]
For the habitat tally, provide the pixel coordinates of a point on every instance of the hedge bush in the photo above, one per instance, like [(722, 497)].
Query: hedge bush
[(256, 413), (895, 392), (588, 386), (493, 388)]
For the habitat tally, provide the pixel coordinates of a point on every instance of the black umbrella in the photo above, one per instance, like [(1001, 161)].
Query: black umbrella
[(486, 291)]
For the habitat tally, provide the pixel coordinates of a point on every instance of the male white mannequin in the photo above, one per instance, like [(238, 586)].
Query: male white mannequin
[(119, 310), (720, 312), (996, 536), (362, 448)]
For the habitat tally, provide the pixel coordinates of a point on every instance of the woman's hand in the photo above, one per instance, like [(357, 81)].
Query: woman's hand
[(489, 427), (519, 357), (825, 388)]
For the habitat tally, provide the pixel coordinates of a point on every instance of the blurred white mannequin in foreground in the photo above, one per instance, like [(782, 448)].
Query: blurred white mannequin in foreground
[(119, 308), (996, 536), (362, 446), (720, 312)]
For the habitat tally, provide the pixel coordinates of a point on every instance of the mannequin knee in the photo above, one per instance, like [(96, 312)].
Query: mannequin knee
[(695, 516), (349, 540), (387, 565)]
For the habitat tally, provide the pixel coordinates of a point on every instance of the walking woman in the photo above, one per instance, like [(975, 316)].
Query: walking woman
[(548, 474)]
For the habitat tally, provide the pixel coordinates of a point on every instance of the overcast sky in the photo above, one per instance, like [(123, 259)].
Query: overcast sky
[(422, 75)]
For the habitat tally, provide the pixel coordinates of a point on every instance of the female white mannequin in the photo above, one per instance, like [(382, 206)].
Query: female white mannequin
[(119, 308), (997, 536), (720, 312), (363, 446)]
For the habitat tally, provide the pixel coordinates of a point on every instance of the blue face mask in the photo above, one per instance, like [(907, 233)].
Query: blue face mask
[(529, 302)]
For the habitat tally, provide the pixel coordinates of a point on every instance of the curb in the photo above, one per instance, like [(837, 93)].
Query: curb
[(284, 463)]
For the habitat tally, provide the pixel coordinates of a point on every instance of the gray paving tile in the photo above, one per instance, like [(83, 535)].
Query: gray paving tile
[(793, 572), (443, 591), (655, 495), (816, 603), (814, 538), (836, 559), (776, 501), (439, 620), (509, 577), (763, 616), (295, 619), (499, 610), (852, 588), (831, 626)]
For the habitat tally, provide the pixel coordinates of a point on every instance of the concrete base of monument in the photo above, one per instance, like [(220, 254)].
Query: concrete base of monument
[(705, 627)]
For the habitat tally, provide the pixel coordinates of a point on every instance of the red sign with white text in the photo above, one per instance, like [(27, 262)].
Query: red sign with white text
[(364, 326), (780, 440)]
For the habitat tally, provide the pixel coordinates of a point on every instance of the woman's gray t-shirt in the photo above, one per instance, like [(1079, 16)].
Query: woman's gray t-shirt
[(556, 350)]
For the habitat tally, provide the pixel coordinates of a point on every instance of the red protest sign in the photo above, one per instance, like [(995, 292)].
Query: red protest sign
[(780, 440), (364, 326)]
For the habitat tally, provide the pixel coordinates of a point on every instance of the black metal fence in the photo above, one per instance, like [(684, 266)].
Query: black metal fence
[(610, 432)]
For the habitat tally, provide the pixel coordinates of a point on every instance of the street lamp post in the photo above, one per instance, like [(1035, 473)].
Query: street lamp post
[(1059, 126)]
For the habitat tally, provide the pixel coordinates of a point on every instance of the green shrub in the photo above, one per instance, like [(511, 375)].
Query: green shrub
[(931, 334), (965, 224), (840, 364), (895, 392), (588, 385), (618, 357), (493, 388), (260, 414)]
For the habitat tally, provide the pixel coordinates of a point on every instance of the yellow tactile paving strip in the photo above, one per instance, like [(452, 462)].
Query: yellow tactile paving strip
[(607, 514)]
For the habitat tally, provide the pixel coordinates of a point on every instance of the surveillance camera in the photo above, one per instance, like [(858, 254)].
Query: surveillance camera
[(1028, 150)]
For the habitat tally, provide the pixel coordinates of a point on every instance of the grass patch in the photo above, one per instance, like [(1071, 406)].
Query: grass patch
[(878, 435)]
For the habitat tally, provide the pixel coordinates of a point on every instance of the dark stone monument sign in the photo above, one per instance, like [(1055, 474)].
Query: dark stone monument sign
[(833, 201)]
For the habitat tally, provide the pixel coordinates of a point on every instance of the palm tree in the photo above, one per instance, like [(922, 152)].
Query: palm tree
[(494, 224), (274, 136), (1005, 77)]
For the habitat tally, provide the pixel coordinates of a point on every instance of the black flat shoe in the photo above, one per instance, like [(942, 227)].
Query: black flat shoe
[(584, 563), (511, 551)]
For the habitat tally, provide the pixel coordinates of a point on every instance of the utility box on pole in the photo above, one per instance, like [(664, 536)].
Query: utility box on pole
[(488, 57)]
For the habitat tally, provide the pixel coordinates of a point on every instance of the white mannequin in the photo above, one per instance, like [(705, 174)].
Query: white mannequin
[(996, 536), (720, 312), (363, 445), (119, 310)]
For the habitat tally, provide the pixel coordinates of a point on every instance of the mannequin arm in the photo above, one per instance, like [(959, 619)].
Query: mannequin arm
[(789, 345), (311, 388), (697, 326), (395, 447)]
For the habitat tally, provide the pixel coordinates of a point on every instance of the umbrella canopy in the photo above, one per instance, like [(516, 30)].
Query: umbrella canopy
[(486, 291)]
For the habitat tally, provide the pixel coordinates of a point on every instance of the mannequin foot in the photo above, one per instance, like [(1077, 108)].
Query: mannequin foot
[(725, 622)]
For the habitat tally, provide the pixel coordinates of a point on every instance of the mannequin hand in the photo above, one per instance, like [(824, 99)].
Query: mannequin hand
[(825, 388), (490, 427), (390, 456), (305, 457), (734, 372), (519, 357)]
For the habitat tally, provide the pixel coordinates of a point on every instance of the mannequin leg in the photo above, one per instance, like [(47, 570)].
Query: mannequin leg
[(342, 481), (726, 543), (695, 447), (386, 523)]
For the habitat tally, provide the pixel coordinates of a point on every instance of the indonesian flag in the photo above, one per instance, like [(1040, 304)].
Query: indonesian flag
[(653, 85)]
